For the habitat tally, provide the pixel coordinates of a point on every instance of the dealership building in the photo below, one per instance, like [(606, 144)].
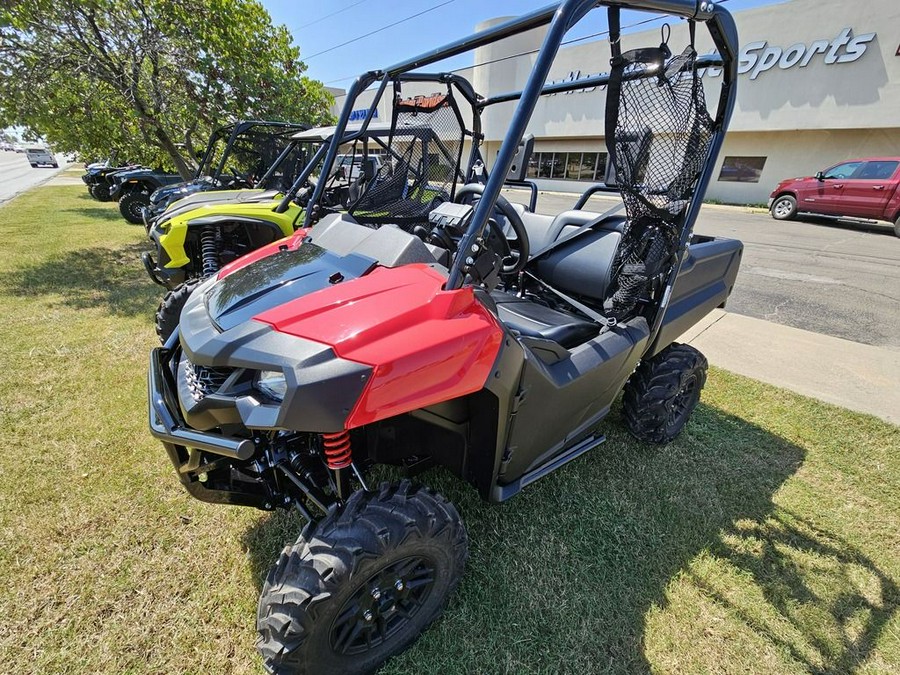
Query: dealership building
[(819, 83)]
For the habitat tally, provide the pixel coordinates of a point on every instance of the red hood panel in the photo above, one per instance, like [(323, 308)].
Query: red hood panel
[(426, 345)]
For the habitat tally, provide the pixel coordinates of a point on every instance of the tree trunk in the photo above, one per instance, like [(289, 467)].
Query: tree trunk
[(181, 165)]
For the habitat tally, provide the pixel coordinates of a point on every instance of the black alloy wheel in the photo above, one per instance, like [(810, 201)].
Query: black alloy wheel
[(663, 391), (362, 584), (131, 206), (382, 606)]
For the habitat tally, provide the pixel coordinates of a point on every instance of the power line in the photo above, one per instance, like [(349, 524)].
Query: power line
[(378, 30), (535, 51), (328, 16), (561, 44)]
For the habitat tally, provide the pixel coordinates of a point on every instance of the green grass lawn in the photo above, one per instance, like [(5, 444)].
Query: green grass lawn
[(765, 540)]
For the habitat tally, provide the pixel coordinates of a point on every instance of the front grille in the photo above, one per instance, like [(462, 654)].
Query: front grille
[(203, 381)]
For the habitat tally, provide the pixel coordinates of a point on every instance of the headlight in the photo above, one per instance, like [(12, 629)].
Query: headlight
[(272, 384)]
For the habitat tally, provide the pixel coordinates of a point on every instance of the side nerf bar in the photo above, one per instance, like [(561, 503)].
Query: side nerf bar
[(167, 425)]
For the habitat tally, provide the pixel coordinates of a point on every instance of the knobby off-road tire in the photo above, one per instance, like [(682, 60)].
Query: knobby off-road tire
[(360, 585), (662, 393), (169, 311), (784, 208), (100, 193), (131, 206)]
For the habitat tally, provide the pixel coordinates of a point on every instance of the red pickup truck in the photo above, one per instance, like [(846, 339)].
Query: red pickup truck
[(861, 188)]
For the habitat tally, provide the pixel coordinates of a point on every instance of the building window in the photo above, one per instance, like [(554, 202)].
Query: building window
[(584, 166), (559, 165), (742, 169), (588, 165), (573, 165), (600, 174)]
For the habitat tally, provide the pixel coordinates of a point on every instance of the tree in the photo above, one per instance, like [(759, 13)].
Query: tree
[(150, 78)]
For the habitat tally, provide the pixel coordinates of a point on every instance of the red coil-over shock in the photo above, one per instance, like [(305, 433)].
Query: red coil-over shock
[(338, 454)]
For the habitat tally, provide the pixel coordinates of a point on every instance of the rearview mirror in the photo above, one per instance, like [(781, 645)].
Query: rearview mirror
[(820, 175)]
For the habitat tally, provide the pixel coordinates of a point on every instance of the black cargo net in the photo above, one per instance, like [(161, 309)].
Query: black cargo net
[(658, 135), (420, 164)]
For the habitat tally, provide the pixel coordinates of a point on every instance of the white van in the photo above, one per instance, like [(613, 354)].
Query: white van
[(38, 156)]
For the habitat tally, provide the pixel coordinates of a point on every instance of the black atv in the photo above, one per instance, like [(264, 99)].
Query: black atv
[(466, 333), (132, 189), (236, 156), (99, 179)]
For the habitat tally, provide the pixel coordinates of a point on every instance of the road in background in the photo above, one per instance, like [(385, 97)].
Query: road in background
[(836, 278), (17, 175)]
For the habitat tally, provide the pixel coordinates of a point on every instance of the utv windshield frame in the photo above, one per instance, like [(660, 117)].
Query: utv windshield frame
[(233, 133)]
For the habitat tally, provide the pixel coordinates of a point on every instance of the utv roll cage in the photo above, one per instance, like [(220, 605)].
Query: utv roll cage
[(256, 137), (629, 148)]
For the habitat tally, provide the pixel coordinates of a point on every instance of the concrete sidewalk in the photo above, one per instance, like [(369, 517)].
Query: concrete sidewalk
[(849, 374)]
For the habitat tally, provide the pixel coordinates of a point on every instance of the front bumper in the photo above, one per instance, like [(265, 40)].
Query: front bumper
[(166, 422), (771, 201), (204, 478)]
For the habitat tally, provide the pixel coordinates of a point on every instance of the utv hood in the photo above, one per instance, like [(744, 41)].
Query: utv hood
[(395, 339), (277, 279), (168, 191), (213, 196)]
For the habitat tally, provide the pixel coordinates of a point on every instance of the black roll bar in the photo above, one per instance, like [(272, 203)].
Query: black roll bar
[(560, 17), (567, 14)]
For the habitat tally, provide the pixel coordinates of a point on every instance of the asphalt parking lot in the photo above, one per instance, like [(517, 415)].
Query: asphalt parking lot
[(831, 277)]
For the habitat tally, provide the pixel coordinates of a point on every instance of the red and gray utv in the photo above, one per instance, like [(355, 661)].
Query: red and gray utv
[(436, 323)]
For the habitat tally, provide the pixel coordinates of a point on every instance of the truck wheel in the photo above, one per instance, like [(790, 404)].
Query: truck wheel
[(169, 311), (132, 204), (897, 226), (361, 584), (784, 208), (663, 392)]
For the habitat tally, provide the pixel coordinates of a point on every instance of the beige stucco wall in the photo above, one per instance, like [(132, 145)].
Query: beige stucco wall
[(797, 153)]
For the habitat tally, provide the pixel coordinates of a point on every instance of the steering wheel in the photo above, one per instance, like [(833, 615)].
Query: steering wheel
[(246, 178), (470, 194)]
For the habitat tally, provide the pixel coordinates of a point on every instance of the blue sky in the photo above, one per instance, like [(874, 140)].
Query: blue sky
[(314, 31)]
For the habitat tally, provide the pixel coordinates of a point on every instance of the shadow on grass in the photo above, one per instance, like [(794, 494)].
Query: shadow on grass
[(95, 210), (113, 279), (563, 577), (99, 213), (826, 602)]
